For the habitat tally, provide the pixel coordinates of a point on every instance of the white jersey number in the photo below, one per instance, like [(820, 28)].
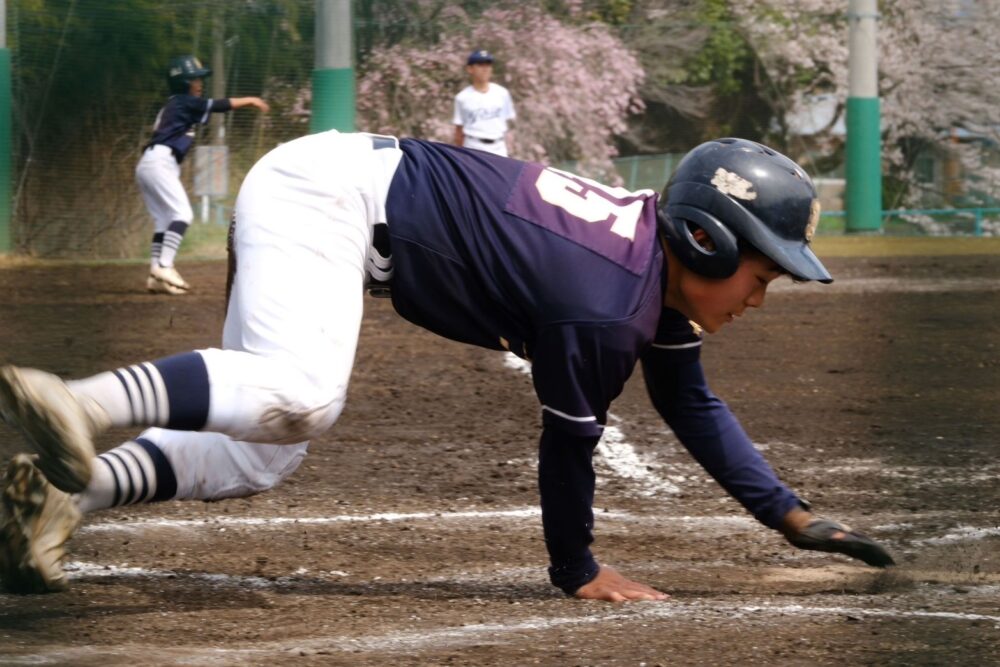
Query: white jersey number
[(592, 202)]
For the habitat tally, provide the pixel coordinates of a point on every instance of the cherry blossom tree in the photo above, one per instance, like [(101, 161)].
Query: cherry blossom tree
[(574, 84), (939, 79)]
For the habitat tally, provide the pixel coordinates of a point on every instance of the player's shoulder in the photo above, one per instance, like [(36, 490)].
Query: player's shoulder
[(190, 101), (464, 93)]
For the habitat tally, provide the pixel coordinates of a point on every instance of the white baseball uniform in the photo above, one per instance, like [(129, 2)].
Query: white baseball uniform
[(484, 117), (302, 235)]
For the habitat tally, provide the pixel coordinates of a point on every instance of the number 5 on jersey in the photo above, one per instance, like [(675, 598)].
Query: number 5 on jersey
[(593, 202)]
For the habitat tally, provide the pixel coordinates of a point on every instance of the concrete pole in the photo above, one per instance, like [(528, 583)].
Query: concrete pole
[(217, 122), (218, 77), (333, 77), (6, 193), (864, 137)]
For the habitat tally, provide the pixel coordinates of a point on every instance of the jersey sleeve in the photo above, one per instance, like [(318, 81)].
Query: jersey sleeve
[(508, 106), (220, 106), (705, 425), (578, 370), (195, 109), (457, 116)]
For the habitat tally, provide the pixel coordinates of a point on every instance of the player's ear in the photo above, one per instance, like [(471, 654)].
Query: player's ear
[(703, 239)]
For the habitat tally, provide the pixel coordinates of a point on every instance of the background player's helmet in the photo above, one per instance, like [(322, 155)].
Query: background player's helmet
[(182, 70), (740, 192)]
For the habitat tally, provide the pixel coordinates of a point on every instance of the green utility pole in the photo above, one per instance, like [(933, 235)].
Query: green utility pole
[(333, 78), (6, 195), (864, 137)]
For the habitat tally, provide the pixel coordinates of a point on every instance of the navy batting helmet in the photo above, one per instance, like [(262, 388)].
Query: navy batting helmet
[(182, 70), (739, 191)]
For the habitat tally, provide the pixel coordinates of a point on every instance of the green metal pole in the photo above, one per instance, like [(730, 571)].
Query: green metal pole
[(333, 78), (6, 194), (864, 138)]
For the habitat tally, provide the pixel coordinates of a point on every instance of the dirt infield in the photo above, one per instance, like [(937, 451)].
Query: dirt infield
[(410, 535)]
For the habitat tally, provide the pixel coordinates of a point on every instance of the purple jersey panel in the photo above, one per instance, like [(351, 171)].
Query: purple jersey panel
[(612, 222)]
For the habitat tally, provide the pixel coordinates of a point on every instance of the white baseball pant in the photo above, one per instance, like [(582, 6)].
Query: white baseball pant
[(498, 147), (159, 178), (303, 229)]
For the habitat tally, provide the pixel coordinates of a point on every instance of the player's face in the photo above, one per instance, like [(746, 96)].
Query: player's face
[(480, 73), (713, 303), (197, 87)]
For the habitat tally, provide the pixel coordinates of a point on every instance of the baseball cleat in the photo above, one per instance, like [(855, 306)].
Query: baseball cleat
[(169, 276), (36, 520), (59, 426), (155, 286)]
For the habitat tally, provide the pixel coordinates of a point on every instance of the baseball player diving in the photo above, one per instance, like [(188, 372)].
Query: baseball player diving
[(158, 173), (584, 280)]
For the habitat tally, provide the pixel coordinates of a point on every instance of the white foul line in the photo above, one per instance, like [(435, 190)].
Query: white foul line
[(214, 521), (495, 632), (637, 611), (726, 521)]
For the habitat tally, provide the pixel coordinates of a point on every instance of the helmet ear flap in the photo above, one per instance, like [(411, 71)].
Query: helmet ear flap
[(719, 262)]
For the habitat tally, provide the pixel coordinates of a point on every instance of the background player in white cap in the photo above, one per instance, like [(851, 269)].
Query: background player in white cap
[(159, 170), (483, 109)]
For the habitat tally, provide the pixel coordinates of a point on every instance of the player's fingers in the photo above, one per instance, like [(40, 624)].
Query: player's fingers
[(646, 593)]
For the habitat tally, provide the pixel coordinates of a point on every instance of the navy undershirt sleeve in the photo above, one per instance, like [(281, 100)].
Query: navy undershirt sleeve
[(712, 434), (221, 106), (566, 485)]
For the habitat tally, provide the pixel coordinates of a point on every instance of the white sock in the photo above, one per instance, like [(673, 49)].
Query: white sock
[(172, 242), (134, 472), (132, 395)]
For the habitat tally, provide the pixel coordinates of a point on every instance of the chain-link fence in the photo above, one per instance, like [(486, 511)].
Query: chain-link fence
[(88, 81)]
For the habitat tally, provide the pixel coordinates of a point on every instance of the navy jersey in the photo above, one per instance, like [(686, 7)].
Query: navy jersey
[(513, 255), (174, 126)]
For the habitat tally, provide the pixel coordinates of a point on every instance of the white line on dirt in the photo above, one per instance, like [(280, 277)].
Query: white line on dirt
[(702, 522), (498, 632), (960, 534), (622, 458), (218, 521), (80, 569), (636, 612)]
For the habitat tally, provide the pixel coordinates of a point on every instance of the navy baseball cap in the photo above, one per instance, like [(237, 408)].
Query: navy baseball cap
[(480, 57)]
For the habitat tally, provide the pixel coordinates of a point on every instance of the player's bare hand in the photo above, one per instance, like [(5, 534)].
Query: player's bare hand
[(262, 105), (610, 586)]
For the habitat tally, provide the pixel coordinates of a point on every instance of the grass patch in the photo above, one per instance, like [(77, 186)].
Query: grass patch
[(204, 241), (904, 246)]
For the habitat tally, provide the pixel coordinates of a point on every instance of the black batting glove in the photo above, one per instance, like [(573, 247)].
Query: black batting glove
[(835, 537)]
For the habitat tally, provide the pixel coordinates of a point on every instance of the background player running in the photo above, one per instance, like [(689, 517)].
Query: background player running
[(159, 170), (583, 279)]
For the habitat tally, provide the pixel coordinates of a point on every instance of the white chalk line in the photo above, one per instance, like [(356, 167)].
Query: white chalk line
[(495, 633), (280, 521), (960, 534), (641, 611), (220, 522), (704, 524), (84, 570), (916, 475)]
